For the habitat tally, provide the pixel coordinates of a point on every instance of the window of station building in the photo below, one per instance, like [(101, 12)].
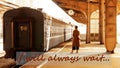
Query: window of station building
[(1, 32), (118, 27), (94, 25), (1, 29)]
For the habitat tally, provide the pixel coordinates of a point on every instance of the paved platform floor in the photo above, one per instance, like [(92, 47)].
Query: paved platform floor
[(91, 55)]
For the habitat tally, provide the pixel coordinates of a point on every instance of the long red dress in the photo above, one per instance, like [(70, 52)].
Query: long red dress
[(75, 41)]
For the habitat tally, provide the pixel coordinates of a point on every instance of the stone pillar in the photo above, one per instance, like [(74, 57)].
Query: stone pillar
[(110, 25), (88, 24), (101, 21)]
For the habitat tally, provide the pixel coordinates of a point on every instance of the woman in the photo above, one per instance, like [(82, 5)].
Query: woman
[(75, 42)]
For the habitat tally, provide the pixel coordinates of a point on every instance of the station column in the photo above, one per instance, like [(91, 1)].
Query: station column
[(101, 21), (110, 25), (88, 24)]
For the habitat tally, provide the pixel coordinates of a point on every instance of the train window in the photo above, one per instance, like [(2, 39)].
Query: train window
[(50, 34), (54, 34), (23, 28)]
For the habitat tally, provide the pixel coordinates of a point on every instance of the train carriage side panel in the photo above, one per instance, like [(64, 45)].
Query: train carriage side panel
[(57, 32), (68, 32)]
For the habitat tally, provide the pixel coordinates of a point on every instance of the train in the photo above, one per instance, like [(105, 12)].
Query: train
[(56, 31), (27, 29)]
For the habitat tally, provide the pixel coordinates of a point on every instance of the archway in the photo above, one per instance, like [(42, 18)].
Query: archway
[(118, 27), (1, 31), (94, 26)]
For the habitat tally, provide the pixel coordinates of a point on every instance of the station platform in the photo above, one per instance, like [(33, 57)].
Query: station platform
[(91, 55)]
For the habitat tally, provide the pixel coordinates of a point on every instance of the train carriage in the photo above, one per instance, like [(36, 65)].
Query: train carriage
[(27, 29)]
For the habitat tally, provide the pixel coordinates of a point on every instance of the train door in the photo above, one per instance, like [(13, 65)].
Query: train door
[(22, 38)]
